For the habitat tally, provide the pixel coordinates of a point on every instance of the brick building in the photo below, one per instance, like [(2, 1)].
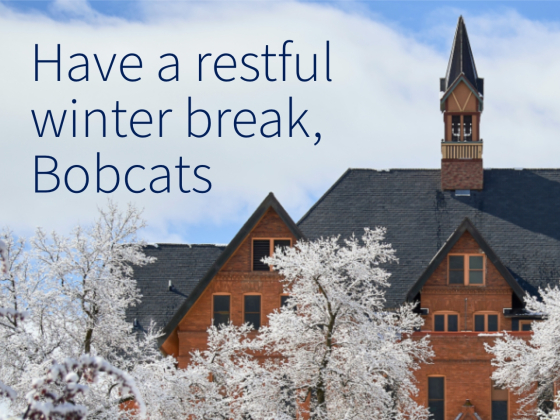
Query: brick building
[(471, 242)]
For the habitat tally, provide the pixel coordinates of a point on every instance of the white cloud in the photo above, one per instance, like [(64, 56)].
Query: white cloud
[(381, 109)]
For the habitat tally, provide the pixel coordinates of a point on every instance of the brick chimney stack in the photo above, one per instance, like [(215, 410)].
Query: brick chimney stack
[(461, 103)]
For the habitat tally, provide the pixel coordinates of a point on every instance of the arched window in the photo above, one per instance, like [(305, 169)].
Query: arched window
[(486, 322), (446, 321), (436, 397), (499, 402)]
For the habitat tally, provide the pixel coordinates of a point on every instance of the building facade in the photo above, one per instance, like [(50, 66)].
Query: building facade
[(471, 243)]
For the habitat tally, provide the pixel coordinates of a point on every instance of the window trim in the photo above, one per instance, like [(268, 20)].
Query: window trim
[(212, 311), (466, 269), (261, 309), (271, 242), (486, 313), (444, 392), (445, 322)]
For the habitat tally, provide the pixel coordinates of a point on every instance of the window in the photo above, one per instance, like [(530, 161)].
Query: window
[(261, 249), (499, 403), (221, 309), (486, 322), (466, 269), (546, 398), (253, 310), (456, 128), (467, 127), (446, 322), (525, 326), (285, 301), (436, 397), (264, 248), (456, 269)]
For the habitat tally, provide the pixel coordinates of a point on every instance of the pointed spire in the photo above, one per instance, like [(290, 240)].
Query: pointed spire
[(461, 60)]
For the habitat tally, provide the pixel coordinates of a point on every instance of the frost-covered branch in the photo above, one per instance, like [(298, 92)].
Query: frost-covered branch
[(341, 351), (531, 367)]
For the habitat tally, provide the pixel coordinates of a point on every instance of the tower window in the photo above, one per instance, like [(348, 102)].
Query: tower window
[(467, 128), (436, 397), (456, 127)]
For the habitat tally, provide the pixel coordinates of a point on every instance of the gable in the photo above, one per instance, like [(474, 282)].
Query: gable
[(465, 226), (269, 218), (461, 99), (270, 226), (462, 85), (466, 245)]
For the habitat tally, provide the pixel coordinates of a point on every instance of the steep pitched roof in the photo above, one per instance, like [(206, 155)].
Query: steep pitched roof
[(465, 226), (517, 213), (183, 265), (461, 60), (269, 202)]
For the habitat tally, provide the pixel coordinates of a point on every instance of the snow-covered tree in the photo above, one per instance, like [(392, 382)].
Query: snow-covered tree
[(59, 394), (74, 292), (229, 381), (531, 367), (343, 353)]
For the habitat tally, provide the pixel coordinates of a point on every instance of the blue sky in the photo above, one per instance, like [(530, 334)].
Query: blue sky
[(381, 110), (413, 16)]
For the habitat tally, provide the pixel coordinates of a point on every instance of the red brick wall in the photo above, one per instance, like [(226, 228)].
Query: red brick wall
[(237, 279), (495, 295), (460, 357), (461, 174), (465, 365)]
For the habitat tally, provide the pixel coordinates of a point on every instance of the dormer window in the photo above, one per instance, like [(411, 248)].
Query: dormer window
[(264, 248), (466, 269)]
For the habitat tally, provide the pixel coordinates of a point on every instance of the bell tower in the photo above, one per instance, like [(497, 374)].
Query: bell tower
[(461, 102)]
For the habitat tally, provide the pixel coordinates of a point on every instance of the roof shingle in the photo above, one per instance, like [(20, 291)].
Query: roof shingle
[(517, 213)]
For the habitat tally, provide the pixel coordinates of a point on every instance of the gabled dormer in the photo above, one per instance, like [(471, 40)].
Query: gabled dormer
[(466, 288), (461, 103), (238, 287)]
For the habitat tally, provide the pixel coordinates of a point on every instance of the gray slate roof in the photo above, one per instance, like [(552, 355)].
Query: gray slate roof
[(184, 265), (517, 213)]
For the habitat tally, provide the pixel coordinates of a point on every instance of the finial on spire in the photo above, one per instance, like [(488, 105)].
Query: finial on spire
[(461, 61)]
